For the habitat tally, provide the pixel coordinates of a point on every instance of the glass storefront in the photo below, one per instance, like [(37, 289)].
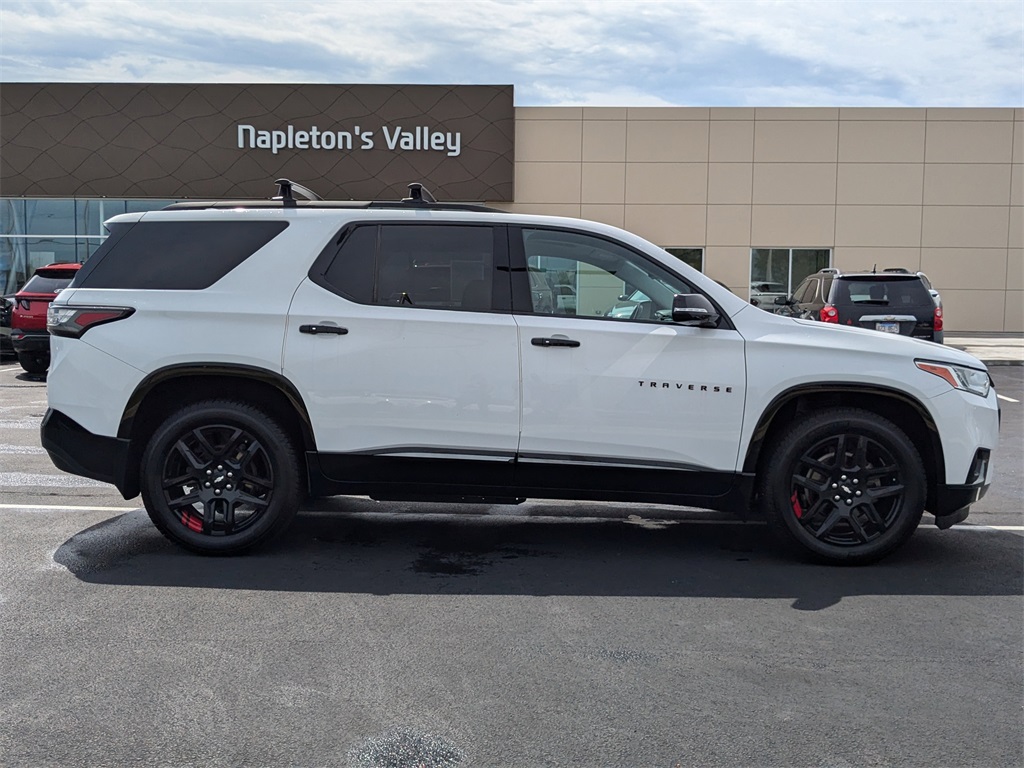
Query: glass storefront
[(775, 272), (36, 232)]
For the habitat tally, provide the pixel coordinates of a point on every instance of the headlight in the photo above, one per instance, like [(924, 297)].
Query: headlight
[(968, 379)]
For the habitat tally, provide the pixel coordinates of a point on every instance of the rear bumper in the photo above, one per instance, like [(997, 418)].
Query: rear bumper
[(75, 449), (30, 341)]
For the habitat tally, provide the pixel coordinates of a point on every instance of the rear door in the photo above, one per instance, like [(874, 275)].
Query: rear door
[(403, 345)]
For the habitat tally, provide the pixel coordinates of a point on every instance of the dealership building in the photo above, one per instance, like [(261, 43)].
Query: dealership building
[(756, 198)]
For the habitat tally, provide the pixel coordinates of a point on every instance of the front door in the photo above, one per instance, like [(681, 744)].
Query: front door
[(614, 392)]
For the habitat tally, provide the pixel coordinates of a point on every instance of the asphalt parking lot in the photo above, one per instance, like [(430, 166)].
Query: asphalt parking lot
[(540, 635)]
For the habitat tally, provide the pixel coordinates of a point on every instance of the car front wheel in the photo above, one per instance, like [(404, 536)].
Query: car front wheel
[(220, 477), (844, 485)]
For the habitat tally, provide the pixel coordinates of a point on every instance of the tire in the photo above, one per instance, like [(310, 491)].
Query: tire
[(220, 477), (844, 486), (34, 362)]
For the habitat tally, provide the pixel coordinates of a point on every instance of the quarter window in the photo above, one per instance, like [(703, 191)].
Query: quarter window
[(175, 255)]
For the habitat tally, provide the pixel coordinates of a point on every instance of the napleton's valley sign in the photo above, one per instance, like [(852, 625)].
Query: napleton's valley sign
[(359, 142)]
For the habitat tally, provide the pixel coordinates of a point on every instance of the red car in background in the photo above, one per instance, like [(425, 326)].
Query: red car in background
[(28, 319)]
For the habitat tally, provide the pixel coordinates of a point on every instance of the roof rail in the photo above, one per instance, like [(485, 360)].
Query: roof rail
[(284, 193), (419, 197), (419, 194), (829, 270)]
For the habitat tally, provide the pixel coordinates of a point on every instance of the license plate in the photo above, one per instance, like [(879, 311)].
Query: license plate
[(888, 327)]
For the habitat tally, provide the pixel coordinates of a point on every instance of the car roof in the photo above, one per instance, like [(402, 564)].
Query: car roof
[(876, 276)]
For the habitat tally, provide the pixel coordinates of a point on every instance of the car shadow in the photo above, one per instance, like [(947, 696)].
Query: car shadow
[(431, 554)]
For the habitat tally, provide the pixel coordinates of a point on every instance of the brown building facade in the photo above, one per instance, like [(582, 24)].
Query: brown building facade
[(756, 198)]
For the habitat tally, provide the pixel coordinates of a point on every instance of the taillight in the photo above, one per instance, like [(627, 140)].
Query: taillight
[(938, 318), (74, 321), (829, 314)]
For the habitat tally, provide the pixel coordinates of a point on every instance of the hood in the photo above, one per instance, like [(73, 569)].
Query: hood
[(757, 325)]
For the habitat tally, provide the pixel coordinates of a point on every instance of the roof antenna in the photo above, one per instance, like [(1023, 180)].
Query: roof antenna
[(874, 269), (419, 195), (284, 193)]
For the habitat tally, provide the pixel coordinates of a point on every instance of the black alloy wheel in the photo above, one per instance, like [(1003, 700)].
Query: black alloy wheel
[(220, 477), (846, 485)]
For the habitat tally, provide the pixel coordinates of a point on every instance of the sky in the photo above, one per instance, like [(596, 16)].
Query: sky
[(890, 53)]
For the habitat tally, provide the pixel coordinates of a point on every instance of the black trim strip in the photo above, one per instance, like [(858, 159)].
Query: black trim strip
[(611, 461)]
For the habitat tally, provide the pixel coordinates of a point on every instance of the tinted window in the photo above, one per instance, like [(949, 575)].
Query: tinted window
[(176, 255), (882, 293), (55, 280), (437, 266), (351, 271), (805, 292)]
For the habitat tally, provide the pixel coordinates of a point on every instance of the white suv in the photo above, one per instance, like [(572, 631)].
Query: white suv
[(227, 358)]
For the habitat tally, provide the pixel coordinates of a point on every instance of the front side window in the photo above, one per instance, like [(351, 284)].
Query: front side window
[(571, 273), (433, 266)]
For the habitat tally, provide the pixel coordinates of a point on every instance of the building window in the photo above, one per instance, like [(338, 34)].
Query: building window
[(35, 232), (775, 272), (694, 257)]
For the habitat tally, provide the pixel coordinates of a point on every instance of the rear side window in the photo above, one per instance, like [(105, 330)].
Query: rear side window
[(176, 255), (805, 293), (434, 266)]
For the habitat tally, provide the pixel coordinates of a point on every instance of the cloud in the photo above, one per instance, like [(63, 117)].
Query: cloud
[(726, 52)]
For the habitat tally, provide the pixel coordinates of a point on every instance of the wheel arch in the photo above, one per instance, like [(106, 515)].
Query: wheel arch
[(901, 409), (166, 390)]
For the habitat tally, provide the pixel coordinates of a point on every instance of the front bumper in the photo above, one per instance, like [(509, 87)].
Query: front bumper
[(954, 503), (75, 449)]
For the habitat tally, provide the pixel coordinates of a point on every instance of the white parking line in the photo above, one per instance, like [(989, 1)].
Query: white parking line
[(18, 450), (63, 508), (39, 480), (1007, 399)]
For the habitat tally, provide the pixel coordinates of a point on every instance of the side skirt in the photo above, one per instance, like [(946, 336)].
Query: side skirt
[(505, 480)]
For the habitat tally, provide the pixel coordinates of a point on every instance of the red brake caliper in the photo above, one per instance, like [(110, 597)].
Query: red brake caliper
[(194, 523), (797, 509)]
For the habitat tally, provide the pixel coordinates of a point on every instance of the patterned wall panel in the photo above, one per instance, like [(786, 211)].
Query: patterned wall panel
[(182, 141)]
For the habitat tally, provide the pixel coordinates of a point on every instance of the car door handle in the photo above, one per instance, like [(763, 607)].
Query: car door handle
[(314, 329), (554, 342)]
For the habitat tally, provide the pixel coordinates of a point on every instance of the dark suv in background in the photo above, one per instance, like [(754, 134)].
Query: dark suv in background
[(890, 301)]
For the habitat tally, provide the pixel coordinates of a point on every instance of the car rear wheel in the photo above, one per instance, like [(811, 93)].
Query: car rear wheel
[(844, 486), (220, 477), (34, 362)]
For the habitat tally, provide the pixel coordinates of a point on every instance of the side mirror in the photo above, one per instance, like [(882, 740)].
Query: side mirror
[(784, 301), (695, 310)]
